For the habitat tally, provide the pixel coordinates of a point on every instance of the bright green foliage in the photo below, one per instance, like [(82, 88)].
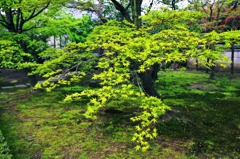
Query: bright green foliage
[(10, 54), (66, 28), (231, 37), (73, 57), (167, 19), (152, 109), (128, 52)]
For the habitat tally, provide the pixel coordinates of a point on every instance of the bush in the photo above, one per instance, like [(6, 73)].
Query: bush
[(4, 150)]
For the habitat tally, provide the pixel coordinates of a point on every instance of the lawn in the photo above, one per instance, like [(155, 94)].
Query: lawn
[(206, 125)]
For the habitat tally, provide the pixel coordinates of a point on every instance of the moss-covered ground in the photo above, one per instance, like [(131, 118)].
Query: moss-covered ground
[(207, 125)]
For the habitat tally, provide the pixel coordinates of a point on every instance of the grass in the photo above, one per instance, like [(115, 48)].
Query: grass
[(40, 125)]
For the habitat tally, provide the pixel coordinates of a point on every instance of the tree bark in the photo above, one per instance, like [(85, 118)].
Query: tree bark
[(155, 69), (32, 78), (207, 68), (197, 68), (148, 84), (212, 73), (136, 12)]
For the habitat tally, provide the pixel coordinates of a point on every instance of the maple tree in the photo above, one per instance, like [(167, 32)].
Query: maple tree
[(131, 52)]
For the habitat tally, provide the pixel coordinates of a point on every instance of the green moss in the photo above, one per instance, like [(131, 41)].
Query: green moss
[(4, 150), (41, 124)]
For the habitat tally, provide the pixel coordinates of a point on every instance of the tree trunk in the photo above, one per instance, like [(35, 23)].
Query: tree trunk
[(155, 69), (232, 58), (32, 78), (207, 68), (212, 73), (148, 84), (136, 12), (197, 68), (54, 41)]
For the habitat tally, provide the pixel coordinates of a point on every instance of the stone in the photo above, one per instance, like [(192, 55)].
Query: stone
[(40, 82), (95, 84), (7, 87), (169, 115), (20, 86)]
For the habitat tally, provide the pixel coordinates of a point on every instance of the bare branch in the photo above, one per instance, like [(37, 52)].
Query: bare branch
[(150, 7)]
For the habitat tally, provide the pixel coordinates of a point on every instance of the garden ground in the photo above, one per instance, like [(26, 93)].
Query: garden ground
[(207, 125)]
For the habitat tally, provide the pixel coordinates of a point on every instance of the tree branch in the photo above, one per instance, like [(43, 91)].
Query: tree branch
[(18, 18), (127, 6), (150, 7), (123, 11), (4, 19), (23, 30), (3, 24), (235, 5), (33, 15), (9, 19)]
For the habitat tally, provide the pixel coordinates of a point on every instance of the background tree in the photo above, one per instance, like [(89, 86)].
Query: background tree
[(19, 17), (30, 25), (221, 16)]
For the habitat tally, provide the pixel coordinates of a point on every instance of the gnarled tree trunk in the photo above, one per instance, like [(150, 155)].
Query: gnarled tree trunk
[(148, 83)]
